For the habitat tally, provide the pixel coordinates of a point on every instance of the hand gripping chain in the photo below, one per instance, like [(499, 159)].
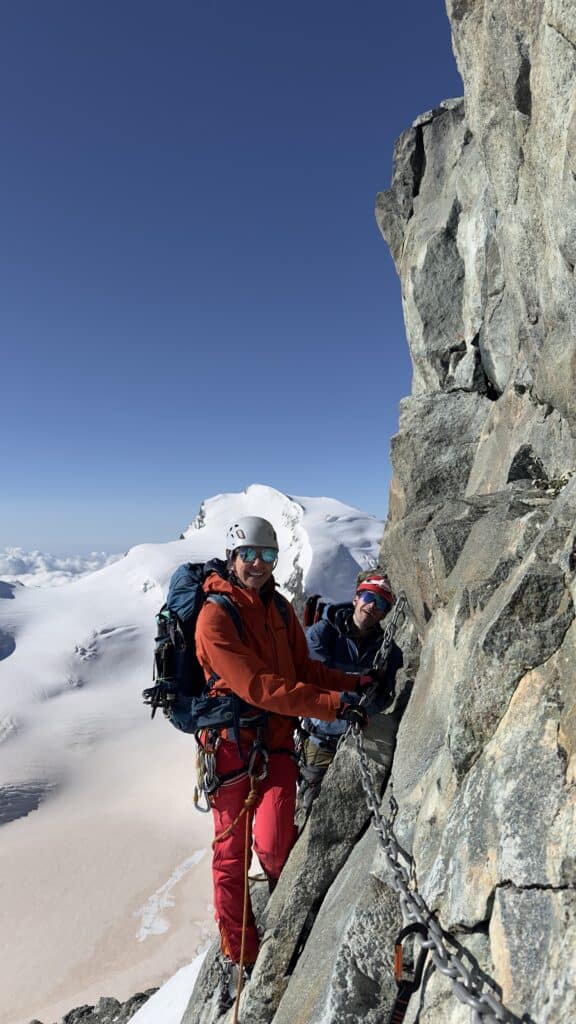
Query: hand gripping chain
[(485, 1006)]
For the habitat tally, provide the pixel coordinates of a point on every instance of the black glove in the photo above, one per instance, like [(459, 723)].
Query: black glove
[(355, 714), (377, 678)]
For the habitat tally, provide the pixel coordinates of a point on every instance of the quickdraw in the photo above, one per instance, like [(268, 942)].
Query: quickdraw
[(208, 780), (406, 986)]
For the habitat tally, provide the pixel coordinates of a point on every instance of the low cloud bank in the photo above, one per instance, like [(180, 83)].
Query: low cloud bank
[(41, 569)]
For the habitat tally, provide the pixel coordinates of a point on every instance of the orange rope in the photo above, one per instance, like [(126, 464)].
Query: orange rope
[(247, 850), (248, 804)]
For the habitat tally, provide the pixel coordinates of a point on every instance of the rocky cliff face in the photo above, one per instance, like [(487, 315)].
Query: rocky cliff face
[(481, 222)]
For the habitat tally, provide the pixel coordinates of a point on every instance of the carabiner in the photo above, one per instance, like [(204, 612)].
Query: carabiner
[(197, 797), (258, 751)]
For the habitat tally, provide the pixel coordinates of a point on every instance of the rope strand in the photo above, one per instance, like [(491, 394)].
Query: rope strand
[(247, 810)]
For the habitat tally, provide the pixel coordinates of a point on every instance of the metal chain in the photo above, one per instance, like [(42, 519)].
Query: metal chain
[(392, 622), (485, 1006)]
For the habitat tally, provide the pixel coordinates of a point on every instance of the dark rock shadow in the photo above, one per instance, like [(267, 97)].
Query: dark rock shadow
[(7, 644), (19, 799)]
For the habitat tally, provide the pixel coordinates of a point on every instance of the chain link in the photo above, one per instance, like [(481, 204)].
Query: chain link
[(486, 1006)]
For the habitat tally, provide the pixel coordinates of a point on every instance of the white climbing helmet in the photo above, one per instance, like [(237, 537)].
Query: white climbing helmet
[(250, 530)]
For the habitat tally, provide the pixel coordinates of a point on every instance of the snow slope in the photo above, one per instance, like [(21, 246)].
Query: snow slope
[(105, 881)]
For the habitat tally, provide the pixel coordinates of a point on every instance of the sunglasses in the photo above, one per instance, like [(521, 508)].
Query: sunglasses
[(369, 597), (268, 555)]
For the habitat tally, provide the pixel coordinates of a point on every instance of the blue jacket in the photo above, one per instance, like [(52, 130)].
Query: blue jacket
[(332, 641)]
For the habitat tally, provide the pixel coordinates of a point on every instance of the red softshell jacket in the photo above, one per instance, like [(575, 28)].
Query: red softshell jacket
[(270, 666)]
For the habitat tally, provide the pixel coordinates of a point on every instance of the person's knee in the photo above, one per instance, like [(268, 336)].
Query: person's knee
[(273, 848)]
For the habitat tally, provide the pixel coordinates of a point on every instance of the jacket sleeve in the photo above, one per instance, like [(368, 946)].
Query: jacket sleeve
[(221, 651), (312, 669)]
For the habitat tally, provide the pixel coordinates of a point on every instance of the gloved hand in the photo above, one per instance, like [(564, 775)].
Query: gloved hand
[(375, 677), (352, 712)]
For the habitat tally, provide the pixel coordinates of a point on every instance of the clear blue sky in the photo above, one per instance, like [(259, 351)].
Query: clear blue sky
[(195, 296)]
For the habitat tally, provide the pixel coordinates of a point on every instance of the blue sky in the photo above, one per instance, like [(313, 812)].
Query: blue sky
[(195, 296)]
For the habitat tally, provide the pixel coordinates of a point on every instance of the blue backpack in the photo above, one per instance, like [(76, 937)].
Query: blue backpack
[(180, 687)]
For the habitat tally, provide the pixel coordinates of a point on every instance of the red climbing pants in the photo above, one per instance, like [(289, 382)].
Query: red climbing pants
[(273, 836)]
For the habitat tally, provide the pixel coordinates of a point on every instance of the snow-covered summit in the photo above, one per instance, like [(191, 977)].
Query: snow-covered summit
[(106, 884), (323, 543)]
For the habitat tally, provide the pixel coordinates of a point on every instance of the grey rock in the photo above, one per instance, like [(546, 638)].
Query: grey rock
[(483, 503), (343, 974), (426, 470), (548, 917), (107, 1011)]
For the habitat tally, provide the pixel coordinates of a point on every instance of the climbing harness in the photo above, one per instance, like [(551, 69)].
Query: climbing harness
[(486, 1006), (208, 781)]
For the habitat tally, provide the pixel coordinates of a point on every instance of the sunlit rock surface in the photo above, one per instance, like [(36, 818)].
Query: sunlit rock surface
[(481, 221)]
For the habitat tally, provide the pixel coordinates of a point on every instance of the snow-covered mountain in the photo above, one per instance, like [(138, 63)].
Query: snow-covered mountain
[(105, 887)]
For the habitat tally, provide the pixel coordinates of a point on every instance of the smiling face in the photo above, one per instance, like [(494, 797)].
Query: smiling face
[(253, 575), (366, 615)]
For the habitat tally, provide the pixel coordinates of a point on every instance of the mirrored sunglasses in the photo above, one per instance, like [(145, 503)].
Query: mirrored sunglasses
[(369, 597), (267, 555)]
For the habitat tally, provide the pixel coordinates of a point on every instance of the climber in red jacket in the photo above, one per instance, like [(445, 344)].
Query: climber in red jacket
[(270, 670)]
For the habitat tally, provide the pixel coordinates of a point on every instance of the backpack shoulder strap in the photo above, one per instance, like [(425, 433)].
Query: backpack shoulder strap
[(228, 604), (282, 606)]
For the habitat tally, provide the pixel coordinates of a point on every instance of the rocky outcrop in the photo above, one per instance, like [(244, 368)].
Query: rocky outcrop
[(107, 1010), (481, 223)]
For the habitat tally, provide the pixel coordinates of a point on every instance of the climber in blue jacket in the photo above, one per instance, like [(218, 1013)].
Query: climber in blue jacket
[(347, 637)]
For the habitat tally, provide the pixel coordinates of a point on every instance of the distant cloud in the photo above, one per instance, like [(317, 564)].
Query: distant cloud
[(41, 569)]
